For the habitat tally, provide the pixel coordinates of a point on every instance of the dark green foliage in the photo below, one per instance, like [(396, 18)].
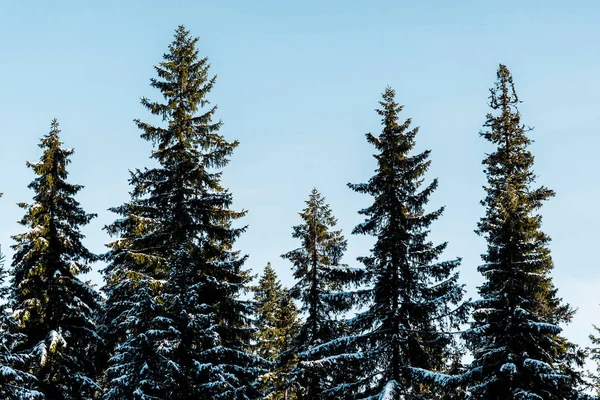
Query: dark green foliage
[(402, 342), (54, 310), (515, 336), (594, 355), (277, 325), (175, 253), (134, 321), (320, 276), (14, 381)]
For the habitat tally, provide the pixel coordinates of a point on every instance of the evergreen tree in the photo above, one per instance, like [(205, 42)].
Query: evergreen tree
[(402, 341), (134, 321), (594, 354), (276, 326), (174, 253), (54, 309), (515, 336), (14, 381), (320, 277)]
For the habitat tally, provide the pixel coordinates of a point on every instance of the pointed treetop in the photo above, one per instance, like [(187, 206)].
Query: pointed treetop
[(269, 277), (181, 31), (184, 82), (391, 108), (515, 330), (393, 132), (269, 271), (53, 135), (503, 95), (55, 158), (317, 212), (53, 309), (183, 40)]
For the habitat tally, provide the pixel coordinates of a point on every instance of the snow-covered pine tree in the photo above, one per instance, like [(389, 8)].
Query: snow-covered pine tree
[(277, 324), (593, 384), (320, 277), (54, 310), (403, 340), (14, 381), (191, 278), (134, 323), (515, 336)]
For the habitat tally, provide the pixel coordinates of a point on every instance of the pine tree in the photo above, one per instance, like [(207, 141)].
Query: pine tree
[(174, 253), (515, 336), (320, 276), (593, 384), (134, 322), (276, 324), (54, 309), (402, 341), (14, 381)]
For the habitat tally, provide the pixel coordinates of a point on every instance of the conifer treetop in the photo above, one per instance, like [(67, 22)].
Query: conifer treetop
[(55, 311), (400, 341), (276, 325), (179, 226), (515, 333), (54, 211), (184, 82)]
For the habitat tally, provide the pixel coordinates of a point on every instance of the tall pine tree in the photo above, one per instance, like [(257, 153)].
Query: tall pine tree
[(402, 341), (515, 336), (175, 251), (277, 325), (320, 277), (54, 309)]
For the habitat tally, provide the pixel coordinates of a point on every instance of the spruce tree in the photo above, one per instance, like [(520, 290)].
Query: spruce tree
[(320, 277), (593, 383), (276, 324), (402, 340), (515, 336), (54, 310), (134, 321), (14, 381), (175, 253)]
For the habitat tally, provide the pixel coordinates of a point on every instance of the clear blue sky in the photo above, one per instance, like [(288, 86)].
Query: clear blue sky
[(298, 82)]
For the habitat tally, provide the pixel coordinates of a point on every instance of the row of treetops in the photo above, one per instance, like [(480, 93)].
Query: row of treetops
[(172, 322)]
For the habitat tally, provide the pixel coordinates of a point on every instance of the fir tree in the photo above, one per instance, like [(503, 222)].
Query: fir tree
[(134, 321), (175, 253), (14, 381), (402, 341), (594, 354), (54, 309), (515, 336), (276, 326), (320, 276)]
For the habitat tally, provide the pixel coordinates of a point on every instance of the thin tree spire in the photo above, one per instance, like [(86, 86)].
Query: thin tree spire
[(515, 336)]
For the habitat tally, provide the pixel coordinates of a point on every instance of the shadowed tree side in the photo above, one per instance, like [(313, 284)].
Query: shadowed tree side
[(14, 381), (277, 324), (133, 321), (593, 377)]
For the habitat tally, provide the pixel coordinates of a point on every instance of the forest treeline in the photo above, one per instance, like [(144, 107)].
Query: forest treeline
[(179, 318)]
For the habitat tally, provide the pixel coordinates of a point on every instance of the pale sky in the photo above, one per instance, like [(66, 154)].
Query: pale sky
[(297, 85)]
